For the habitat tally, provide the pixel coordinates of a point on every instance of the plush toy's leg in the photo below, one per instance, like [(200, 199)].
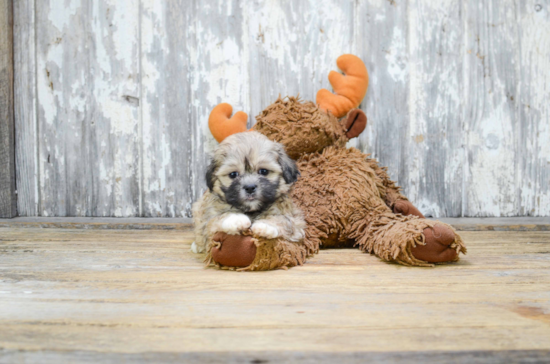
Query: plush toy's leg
[(438, 239), (232, 250), (277, 253), (405, 207), (439, 248), (249, 253), (407, 240), (391, 193)]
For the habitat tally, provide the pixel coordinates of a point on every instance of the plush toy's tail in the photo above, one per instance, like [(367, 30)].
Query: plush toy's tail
[(350, 88)]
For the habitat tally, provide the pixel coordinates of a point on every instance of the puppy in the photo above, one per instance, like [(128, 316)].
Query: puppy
[(248, 181)]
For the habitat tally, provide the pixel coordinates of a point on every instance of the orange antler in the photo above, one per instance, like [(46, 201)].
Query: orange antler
[(350, 88), (221, 125)]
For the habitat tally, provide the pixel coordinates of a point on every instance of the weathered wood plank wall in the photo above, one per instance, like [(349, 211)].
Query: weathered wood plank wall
[(112, 97), (7, 132)]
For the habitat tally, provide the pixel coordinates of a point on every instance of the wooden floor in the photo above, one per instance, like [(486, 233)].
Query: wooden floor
[(115, 295)]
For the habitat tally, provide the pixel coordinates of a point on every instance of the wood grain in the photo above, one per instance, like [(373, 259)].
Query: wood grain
[(382, 42), (506, 121), (112, 120), (433, 145), (166, 131), (8, 206), (87, 76), (491, 113), (136, 292), (27, 133), (533, 131), (471, 357)]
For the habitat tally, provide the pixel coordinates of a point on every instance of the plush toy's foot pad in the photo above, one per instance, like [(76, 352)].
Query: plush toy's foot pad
[(406, 208), (234, 251), (437, 250)]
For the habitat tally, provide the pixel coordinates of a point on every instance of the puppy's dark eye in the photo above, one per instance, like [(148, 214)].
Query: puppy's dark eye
[(263, 172), (233, 175)]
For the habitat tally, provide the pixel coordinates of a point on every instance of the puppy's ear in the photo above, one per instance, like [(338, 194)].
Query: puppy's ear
[(289, 167), (210, 174)]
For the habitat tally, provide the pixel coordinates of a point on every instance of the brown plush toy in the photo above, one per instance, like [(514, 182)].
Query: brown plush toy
[(347, 198)]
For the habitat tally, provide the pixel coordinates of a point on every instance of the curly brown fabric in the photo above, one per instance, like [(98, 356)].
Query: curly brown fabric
[(344, 208), (332, 197), (300, 126), (277, 253)]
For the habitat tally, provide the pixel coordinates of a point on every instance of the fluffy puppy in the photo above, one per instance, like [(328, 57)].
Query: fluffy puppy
[(248, 181)]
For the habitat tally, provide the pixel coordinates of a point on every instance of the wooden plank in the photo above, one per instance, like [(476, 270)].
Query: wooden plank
[(8, 199), (472, 357), (100, 293), (533, 130), (433, 145), (168, 143), (88, 95), (114, 137), (491, 113), (63, 149), (27, 135), (382, 43)]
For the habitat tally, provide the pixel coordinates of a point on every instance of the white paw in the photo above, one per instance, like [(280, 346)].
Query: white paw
[(265, 230), (195, 248), (235, 223)]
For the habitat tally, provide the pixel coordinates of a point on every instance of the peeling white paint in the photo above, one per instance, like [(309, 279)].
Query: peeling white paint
[(225, 60), (61, 12), (397, 67), (121, 115), (457, 103), (493, 164)]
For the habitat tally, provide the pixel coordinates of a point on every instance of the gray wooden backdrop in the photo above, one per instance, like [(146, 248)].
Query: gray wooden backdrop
[(112, 96)]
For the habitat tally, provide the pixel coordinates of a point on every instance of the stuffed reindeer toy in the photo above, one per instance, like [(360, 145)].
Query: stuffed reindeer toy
[(346, 198)]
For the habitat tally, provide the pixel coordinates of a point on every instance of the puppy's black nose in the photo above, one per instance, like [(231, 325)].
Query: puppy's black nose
[(250, 188)]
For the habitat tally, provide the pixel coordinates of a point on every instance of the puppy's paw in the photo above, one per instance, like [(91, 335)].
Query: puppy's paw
[(196, 249), (235, 223), (265, 230)]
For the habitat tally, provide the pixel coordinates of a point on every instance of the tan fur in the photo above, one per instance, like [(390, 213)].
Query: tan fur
[(211, 210)]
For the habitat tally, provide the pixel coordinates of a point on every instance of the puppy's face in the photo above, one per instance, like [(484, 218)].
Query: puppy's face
[(249, 171)]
